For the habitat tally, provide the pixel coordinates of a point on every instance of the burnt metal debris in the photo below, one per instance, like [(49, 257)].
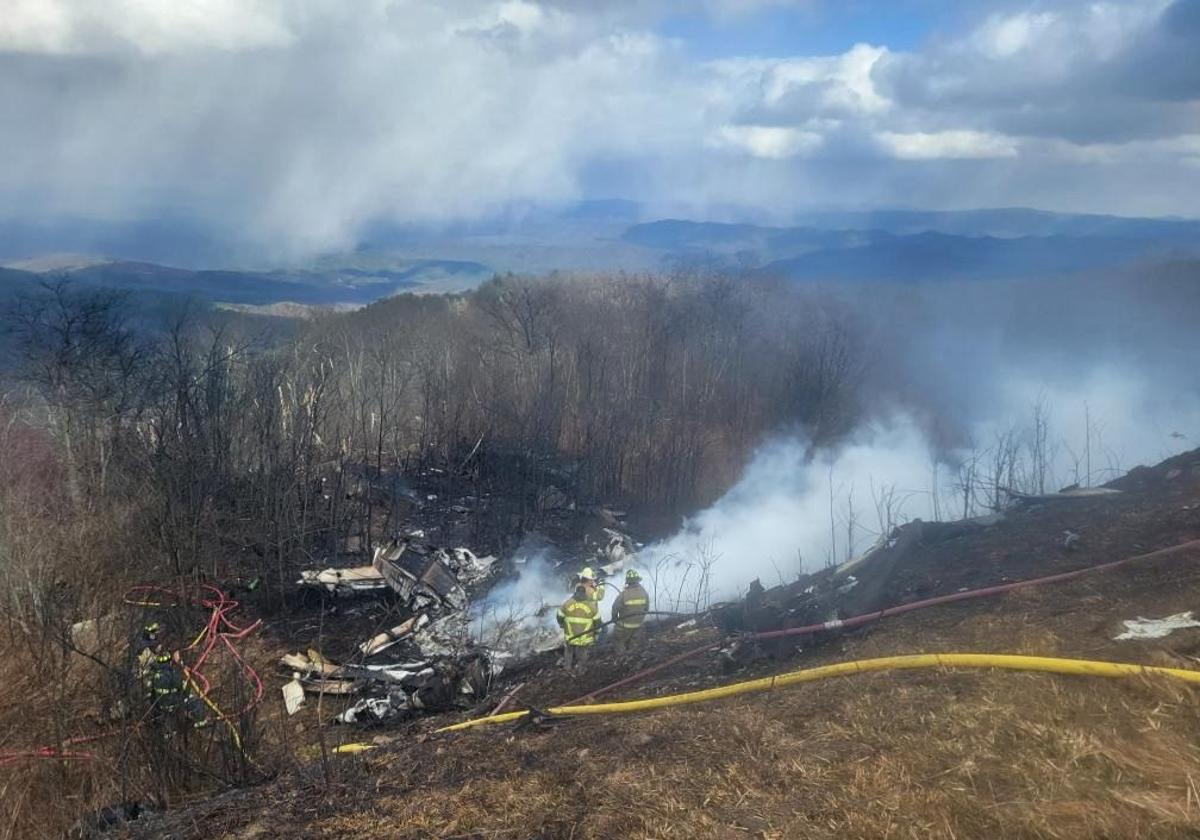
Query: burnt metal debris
[(422, 575), (444, 652), (431, 583)]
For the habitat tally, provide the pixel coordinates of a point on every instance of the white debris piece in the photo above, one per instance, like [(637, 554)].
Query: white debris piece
[(616, 554), (389, 637), (310, 663), (879, 545), (1156, 628), (469, 568), (851, 582), (374, 709), (1018, 498), (443, 637), (403, 666), (402, 674), (344, 581), (293, 694)]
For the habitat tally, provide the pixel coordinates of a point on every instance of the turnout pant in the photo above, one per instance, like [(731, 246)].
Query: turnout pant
[(575, 656), (626, 638)]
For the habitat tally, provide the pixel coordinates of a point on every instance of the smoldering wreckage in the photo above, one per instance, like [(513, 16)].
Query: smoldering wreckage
[(447, 654), (437, 669), (449, 649)]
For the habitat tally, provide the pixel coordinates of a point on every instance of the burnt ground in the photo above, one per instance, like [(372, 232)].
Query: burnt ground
[(938, 753)]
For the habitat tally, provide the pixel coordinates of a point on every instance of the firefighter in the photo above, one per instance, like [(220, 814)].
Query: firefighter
[(164, 682), (159, 677), (579, 619), (595, 589), (629, 611)]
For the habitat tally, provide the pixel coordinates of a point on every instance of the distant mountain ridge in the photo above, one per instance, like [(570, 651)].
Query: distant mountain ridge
[(985, 243), (255, 288), (1009, 222), (598, 236)]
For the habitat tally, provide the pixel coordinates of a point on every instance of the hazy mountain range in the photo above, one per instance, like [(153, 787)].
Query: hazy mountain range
[(175, 258)]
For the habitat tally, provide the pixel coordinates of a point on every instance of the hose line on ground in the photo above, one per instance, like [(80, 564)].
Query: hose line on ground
[(1074, 667), (866, 618), (613, 621)]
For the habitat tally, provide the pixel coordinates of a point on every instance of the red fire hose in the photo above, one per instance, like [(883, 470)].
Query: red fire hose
[(218, 629), (866, 618)]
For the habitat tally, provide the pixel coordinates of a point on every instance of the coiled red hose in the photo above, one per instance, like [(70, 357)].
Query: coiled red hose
[(218, 629)]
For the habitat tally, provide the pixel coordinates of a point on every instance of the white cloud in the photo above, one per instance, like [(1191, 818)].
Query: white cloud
[(951, 145), (1002, 36), (148, 26), (296, 122), (838, 85), (771, 142), (395, 110)]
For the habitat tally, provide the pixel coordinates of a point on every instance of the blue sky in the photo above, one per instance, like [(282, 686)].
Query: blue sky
[(826, 29), (299, 123)]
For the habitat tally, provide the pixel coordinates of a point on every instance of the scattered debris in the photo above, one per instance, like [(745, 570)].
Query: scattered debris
[(352, 749), (617, 553), (388, 638), (470, 569), (1071, 541), (318, 675), (443, 637), (1156, 628), (353, 581), (462, 682), (432, 583), (327, 686), (373, 710), (1066, 495), (420, 575), (307, 664), (293, 694)]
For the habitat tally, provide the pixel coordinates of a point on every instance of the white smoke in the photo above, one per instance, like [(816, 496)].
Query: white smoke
[(795, 510), (1120, 414), (518, 615)]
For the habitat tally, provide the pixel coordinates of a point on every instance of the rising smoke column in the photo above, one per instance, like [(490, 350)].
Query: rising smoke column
[(793, 511)]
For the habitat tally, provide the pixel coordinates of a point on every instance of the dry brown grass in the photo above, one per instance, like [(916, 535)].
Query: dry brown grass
[(906, 755), (930, 754)]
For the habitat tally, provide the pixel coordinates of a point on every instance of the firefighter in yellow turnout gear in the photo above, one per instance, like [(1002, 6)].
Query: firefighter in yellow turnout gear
[(629, 611), (579, 619), (595, 588)]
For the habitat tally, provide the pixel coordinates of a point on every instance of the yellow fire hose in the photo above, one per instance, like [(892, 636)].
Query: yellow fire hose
[(1076, 667), (221, 716)]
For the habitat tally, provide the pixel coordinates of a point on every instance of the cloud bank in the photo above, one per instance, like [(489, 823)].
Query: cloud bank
[(294, 123)]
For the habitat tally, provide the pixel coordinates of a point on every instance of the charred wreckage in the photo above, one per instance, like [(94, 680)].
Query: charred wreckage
[(447, 670)]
